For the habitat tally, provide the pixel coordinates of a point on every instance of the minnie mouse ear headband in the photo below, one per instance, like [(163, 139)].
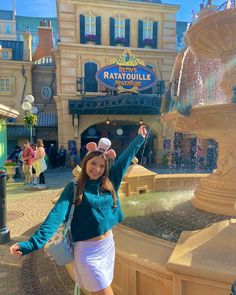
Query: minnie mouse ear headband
[(103, 146)]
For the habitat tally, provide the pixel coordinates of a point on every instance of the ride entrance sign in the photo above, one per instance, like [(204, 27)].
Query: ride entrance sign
[(126, 74)]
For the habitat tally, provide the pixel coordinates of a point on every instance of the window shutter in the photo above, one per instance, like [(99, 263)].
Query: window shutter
[(98, 30), (90, 82), (82, 29), (112, 31), (140, 34), (155, 35), (127, 32)]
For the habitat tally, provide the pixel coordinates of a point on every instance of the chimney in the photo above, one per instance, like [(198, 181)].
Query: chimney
[(45, 43), (14, 9), (27, 45)]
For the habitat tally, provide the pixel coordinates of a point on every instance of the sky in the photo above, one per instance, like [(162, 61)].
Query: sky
[(47, 8)]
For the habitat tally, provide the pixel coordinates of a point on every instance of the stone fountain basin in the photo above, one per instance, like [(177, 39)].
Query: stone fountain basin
[(214, 36), (211, 121)]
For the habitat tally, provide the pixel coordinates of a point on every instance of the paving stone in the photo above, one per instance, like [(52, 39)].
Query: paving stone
[(33, 274)]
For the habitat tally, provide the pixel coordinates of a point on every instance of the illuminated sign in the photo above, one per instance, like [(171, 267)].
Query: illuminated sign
[(126, 74)]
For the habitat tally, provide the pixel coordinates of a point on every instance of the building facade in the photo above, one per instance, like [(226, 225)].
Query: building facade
[(24, 72), (15, 83), (91, 34)]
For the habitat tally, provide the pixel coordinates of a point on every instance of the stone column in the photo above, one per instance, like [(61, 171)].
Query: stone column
[(217, 192), (27, 46)]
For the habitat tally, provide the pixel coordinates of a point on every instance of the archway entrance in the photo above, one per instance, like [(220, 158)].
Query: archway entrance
[(120, 133)]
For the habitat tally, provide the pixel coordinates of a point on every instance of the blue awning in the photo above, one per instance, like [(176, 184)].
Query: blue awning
[(47, 119), (14, 132)]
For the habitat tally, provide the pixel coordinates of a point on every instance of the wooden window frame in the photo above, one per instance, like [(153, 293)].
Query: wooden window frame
[(90, 21), (8, 25), (7, 85), (6, 50), (147, 29), (120, 25)]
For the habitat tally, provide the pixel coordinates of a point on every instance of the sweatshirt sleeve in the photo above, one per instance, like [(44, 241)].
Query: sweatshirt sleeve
[(56, 216), (121, 165)]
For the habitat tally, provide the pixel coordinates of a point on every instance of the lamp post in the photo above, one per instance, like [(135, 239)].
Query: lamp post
[(30, 110), (4, 231)]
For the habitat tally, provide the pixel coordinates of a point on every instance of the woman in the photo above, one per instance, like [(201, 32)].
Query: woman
[(40, 164), (97, 211), (28, 158)]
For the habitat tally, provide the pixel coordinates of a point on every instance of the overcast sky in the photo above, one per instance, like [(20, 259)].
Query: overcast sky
[(47, 8)]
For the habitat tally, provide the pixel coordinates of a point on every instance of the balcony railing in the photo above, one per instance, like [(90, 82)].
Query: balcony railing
[(119, 104)]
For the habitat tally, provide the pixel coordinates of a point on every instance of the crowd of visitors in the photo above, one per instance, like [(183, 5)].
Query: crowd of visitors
[(31, 163), (33, 159), (29, 156)]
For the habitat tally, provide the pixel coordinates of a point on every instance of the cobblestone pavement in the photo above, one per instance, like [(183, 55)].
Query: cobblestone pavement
[(33, 274)]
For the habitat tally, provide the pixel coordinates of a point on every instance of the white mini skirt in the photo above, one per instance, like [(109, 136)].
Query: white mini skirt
[(94, 263)]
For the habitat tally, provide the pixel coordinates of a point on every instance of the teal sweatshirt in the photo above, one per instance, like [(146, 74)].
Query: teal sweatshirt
[(95, 215)]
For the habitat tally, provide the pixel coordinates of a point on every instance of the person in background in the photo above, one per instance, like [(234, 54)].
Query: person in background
[(39, 155), (97, 210), (28, 158), (14, 157), (20, 164), (62, 156), (15, 154), (52, 153), (73, 155), (34, 177)]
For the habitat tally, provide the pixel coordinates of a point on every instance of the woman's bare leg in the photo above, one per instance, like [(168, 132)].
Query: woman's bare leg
[(106, 291)]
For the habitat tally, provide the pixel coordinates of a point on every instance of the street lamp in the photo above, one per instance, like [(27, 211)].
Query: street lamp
[(31, 111)]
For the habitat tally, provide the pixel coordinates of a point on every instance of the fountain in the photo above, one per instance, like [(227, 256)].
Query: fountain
[(212, 39), (202, 261)]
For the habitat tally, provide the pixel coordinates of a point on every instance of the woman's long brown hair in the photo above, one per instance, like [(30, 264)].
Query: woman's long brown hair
[(39, 143), (105, 184)]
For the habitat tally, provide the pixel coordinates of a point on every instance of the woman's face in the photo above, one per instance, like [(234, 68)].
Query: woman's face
[(95, 167)]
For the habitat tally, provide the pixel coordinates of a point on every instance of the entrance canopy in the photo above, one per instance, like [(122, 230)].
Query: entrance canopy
[(117, 104)]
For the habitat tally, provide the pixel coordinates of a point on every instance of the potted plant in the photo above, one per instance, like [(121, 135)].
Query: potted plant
[(121, 41), (10, 166), (30, 120), (148, 42), (91, 38)]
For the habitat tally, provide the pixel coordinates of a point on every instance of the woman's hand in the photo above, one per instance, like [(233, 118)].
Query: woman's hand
[(15, 250), (142, 131)]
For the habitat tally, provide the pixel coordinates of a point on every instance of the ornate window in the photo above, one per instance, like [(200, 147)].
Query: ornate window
[(8, 29), (90, 24), (6, 54), (7, 85), (119, 27), (147, 29)]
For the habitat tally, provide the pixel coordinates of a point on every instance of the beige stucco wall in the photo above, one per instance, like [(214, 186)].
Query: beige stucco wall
[(13, 69), (12, 34)]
